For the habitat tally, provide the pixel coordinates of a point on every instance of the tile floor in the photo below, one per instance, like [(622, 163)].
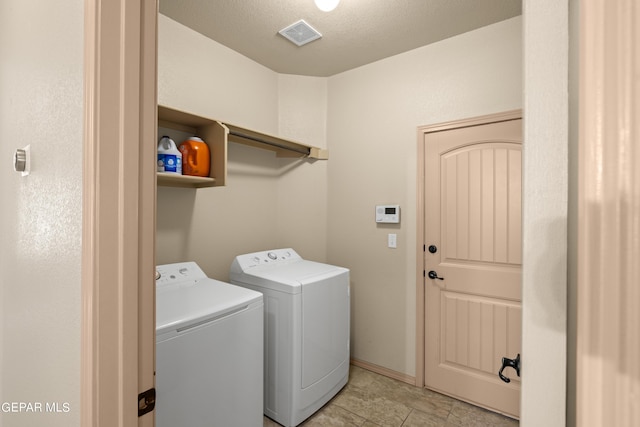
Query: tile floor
[(370, 400)]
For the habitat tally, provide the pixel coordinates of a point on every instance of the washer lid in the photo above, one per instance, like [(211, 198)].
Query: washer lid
[(183, 304)]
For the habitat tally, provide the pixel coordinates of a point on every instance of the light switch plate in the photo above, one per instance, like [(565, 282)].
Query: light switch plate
[(392, 240)]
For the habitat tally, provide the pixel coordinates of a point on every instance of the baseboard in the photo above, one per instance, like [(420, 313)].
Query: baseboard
[(384, 371)]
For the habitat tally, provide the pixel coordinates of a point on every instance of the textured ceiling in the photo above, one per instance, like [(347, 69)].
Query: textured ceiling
[(356, 33)]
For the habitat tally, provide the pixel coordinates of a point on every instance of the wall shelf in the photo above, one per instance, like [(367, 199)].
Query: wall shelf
[(174, 180), (282, 147), (217, 135)]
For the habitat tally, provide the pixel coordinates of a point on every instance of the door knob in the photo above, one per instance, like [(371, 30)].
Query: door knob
[(433, 275), (506, 363)]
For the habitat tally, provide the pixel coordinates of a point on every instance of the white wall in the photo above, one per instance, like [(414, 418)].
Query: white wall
[(41, 104), (302, 191), (268, 202), (545, 213), (209, 225), (374, 112)]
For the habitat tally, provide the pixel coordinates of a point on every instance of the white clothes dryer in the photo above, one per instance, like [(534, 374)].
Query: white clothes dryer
[(209, 364), (306, 330)]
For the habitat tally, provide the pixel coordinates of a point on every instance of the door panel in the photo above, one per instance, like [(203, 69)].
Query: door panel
[(482, 203), (475, 329), (473, 215)]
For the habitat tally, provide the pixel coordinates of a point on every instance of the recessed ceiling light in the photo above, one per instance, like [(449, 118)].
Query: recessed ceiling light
[(327, 5)]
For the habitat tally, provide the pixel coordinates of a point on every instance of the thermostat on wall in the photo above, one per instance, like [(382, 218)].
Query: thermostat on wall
[(388, 214)]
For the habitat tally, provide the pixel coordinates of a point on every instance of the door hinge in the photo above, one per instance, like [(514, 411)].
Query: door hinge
[(146, 401)]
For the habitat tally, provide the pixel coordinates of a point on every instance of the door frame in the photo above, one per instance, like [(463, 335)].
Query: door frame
[(420, 218), (608, 345), (119, 199)]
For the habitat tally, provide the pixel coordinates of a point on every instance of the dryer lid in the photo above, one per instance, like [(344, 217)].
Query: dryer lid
[(287, 275)]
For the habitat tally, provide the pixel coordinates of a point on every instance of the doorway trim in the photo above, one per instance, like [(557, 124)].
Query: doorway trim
[(608, 245), (420, 217), (118, 225)]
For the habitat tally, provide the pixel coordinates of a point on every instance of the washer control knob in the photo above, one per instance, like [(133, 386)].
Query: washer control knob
[(272, 255)]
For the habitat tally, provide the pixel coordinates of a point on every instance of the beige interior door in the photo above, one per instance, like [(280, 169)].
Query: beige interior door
[(473, 185)]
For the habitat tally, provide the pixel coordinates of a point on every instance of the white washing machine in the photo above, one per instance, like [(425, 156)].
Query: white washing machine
[(209, 350), (306, 330)]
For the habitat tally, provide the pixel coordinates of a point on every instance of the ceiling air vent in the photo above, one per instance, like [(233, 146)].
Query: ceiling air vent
[(300, 33)]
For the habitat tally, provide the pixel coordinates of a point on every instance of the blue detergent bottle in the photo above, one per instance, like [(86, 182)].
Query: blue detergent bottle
[(169, 157)]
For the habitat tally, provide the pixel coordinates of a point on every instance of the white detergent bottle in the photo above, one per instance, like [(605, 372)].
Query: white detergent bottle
[(169, 157)]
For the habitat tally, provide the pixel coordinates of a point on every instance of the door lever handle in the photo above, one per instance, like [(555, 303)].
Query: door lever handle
[(433, 275), (512, 363)]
